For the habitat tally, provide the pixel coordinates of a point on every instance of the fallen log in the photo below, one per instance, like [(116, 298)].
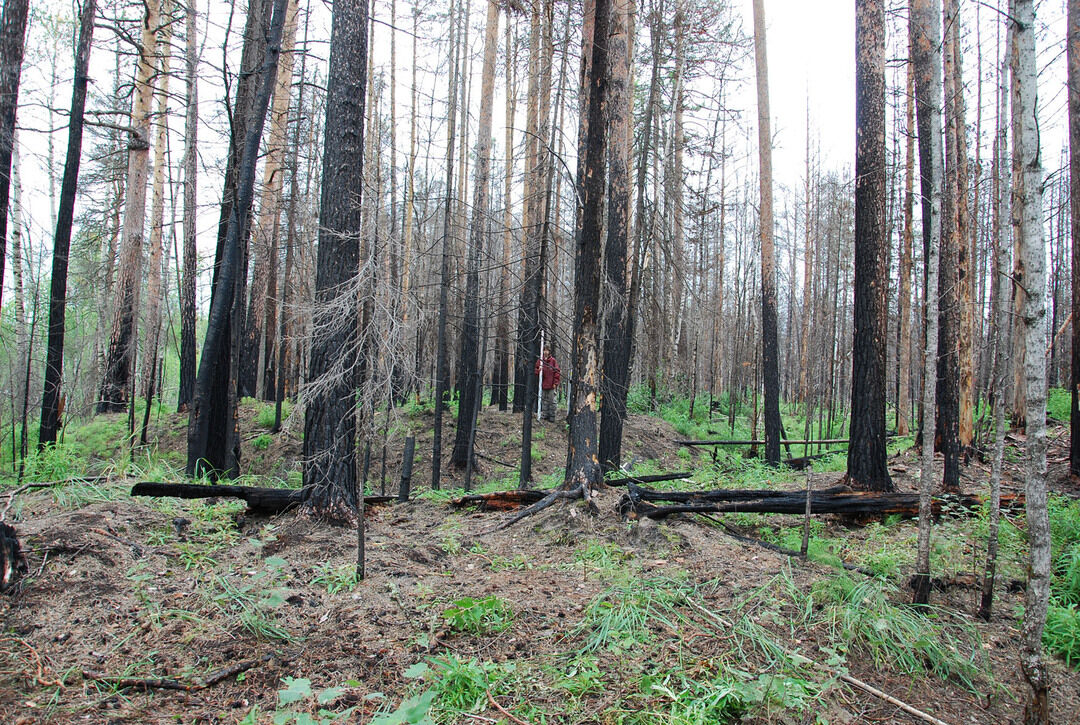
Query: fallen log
[(648, 479), (501, 500), (260, 500), (636, 502)]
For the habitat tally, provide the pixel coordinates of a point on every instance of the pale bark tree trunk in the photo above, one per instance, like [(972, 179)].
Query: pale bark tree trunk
[(965, 263), (867, 465), (903, 388), (471, 365), (1028, 222), (769, 342), (12, 43), (54, 362), (120, 357), (330, 485), (925, 29), (189, 163), (157, 223), (503, 349)]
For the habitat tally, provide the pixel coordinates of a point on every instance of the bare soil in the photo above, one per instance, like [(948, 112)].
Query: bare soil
[(137, 588)]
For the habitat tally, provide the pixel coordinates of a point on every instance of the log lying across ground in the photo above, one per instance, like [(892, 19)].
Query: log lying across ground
[(501, 500), (637, 502), (261, 500)]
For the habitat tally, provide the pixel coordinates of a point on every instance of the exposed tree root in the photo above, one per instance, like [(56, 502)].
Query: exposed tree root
[(166, 683)]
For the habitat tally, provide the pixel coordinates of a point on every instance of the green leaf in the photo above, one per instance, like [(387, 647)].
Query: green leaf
[(329, 695), (275, 562), (295, 690), (417, 670)]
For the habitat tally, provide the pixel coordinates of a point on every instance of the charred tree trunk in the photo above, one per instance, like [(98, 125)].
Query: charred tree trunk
[(219, 456), (583, 465), (54, 363), (472, 364), (330, 414), (867, 466), (1073, 54), (615, 375)]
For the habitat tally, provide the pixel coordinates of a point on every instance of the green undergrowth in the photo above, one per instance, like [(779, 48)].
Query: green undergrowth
[(1062, 633)]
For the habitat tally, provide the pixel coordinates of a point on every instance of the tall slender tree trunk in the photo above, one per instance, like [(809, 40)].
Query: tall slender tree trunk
[(259, 324), (54, 361), (583, 464), (12, 43), (615, 374), (157, 221), (925, 44), (867, 465), (442, 368), (769, 341), (330, 486), (903, 387), (189, 163), (222, 459), (1073, 56), (1028, 222), (470, 339), (120, 356), (965, 315), (503, 348)]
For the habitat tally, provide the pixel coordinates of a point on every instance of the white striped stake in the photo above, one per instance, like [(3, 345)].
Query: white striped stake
[(540, 378)]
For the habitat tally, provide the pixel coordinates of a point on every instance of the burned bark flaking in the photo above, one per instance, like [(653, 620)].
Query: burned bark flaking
[(330, 485)]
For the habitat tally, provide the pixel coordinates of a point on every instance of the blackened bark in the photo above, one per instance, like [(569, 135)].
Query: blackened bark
[(442, 367), (12, 42), (583, 463), (867, 455), (212, 445), (471, 365), (615, 374), (54, 364), (1073, 55), (330, 414)]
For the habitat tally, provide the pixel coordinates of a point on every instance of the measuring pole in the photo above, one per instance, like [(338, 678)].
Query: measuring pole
[(540, 377)]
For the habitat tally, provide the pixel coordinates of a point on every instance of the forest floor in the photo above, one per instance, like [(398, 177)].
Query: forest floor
[(562, 618)]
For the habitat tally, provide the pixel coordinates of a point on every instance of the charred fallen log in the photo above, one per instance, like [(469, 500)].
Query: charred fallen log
[(12, 560), (260, 500), (648, 479), (501, 500), (637, 502)]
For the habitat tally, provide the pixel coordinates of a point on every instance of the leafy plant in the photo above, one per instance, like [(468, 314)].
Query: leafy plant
[(262, 442), (479, 616), (341, 578), (296, 698)]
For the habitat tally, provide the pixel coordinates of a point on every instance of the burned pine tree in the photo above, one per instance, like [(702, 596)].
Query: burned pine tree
[(54, 362), (618, 322), (866, 460), (583, 463), (213, 447), (472, 364), (330, 485)]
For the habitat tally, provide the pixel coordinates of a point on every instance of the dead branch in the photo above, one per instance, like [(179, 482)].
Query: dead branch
[(503, 710), (167, 683)]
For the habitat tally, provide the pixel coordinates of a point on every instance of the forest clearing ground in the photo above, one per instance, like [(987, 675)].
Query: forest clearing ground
[(593, 619)]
